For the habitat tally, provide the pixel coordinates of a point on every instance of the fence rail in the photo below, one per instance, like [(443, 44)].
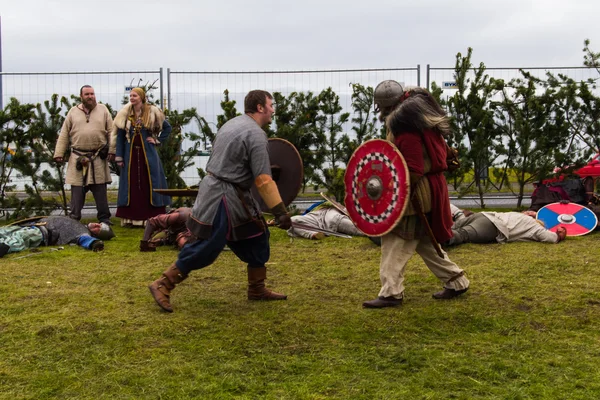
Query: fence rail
[(110, 86), (203, 90), (447, 74)]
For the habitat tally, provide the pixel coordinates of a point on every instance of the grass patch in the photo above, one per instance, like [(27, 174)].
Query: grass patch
[(82, 325)]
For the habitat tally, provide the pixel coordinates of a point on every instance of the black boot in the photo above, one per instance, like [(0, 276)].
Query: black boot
[(448, 294), (4, 249), (381, 302)]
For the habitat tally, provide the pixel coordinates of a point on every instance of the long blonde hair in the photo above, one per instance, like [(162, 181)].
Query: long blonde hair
[(154, 125)]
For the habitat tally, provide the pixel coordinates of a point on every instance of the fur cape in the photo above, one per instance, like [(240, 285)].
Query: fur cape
[(153, 123)]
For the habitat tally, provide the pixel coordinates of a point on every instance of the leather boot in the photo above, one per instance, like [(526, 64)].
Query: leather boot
[(256, 285), (161, 288), (146, 246)]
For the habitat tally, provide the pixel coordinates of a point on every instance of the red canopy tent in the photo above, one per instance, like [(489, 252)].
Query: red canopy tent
[(592, 168)]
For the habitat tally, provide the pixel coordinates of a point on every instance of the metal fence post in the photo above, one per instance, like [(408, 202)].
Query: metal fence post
[(1, 77), (427, 74), (162, 98), (419, 75), (169, 89)]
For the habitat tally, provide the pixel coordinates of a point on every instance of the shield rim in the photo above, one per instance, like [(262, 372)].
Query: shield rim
[(287, 201), (406, 184), (553, 229)]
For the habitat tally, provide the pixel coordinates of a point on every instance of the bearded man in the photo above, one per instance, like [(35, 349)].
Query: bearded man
[(225, 213), (86, 133)]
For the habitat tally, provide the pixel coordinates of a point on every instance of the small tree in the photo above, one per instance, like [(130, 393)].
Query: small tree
[(40, 167), (14, 125), (364, 122), (175, 159), (296, 121), (330, 126), (591, 59), (529, 134), (207, 133), (575, 110), (456, 141), (473, 120)]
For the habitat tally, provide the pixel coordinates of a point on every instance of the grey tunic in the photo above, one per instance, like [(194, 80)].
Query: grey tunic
[(239, 155), (63, 230)]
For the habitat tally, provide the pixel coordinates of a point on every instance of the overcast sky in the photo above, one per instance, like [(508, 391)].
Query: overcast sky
[(234, 35)]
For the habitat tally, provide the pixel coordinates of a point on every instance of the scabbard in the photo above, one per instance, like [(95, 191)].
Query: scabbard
[(417, 206)]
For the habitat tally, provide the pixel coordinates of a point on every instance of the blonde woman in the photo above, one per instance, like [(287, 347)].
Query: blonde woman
[(138, 129)]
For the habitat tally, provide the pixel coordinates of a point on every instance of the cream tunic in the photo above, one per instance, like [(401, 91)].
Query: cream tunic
[(78, 133)]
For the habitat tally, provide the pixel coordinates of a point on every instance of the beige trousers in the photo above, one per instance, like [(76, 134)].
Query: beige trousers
[(395, 253)]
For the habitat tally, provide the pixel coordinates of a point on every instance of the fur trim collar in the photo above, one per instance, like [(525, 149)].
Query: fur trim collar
[(155, 120)]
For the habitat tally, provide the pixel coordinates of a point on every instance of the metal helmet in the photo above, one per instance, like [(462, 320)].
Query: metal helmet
[(387, 94), (106, 232)]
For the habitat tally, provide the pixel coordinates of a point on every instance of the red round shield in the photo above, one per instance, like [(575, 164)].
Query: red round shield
[(377, 187), (577, 219)]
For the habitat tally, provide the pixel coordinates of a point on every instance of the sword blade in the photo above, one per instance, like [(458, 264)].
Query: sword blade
[(315, 229), (40, 252), (337, 205)]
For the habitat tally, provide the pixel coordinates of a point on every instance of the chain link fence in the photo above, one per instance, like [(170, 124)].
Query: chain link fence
[(205, 91), (444, 77), (111, 88)]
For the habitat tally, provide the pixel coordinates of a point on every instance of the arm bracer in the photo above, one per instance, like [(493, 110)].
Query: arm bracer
[(267, 189)]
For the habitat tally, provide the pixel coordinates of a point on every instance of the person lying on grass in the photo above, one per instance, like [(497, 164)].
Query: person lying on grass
[(52, 231), (501, 227)]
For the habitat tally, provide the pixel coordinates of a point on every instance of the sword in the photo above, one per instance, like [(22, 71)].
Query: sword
[(40, 252), (337, 205), (314, 229), (419, 210)]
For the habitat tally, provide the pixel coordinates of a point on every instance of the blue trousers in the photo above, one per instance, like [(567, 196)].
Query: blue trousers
[(201, 253)]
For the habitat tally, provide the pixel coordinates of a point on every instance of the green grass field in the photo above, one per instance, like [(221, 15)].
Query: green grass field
[(81, 325)]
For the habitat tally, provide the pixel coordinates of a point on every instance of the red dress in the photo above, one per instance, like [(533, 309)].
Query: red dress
[(139, 208)]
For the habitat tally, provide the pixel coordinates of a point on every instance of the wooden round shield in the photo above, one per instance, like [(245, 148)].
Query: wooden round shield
[(287, 171), (577, 219), (377, 187)]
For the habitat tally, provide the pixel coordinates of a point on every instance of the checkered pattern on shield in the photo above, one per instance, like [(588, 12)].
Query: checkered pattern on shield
[(377, 187)]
